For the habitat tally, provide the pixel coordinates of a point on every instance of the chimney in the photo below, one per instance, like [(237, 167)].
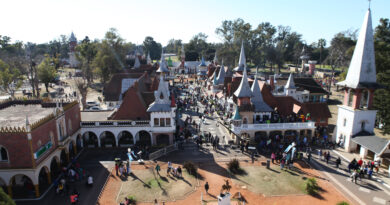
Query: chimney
[(271, 82)]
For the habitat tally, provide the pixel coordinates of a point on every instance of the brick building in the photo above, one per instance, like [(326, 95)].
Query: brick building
[(37, 138)]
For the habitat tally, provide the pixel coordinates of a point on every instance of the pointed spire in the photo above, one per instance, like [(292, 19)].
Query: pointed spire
[(222, 74), (244, 90), (290, 82), (72, 37), (242, 60), (163, 65), (362, 70), (203, 62), (183, 54), (236, 115), (215, 58), (137, 64), (257, 99), (148, 59), (161, 99), (215, 81)]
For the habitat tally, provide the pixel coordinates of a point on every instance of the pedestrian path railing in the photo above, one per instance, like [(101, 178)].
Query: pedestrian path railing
[(163, 151)]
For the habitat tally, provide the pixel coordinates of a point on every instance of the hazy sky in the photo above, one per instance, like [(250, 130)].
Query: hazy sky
[(44, 20)]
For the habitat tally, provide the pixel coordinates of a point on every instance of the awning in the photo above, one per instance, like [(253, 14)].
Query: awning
[(373, 143)]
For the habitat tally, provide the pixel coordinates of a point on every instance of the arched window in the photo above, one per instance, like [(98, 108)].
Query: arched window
[(245, 121), (364, 99), (351, 93), (3, 154), (363, 125), (345, 122)]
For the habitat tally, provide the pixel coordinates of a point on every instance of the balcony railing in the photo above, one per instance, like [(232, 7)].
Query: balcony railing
[(276, 126), (127, 123)]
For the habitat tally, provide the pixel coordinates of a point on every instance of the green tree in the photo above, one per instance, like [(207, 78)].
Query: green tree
[(321, 44), (87, 51), (47, 72), (110, 56), (382, 60), (152, 47), (10, 79), (5, 199)]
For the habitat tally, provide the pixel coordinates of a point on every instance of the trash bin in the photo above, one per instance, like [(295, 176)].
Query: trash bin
[(268, 163)]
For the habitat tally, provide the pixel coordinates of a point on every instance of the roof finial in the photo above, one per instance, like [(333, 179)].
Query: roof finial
[(369, 4)]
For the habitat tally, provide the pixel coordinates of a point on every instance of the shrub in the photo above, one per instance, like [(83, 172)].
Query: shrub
[(234, 166), (191, 168), (342, 203), (5, 199), (312, 187), (132, 200)]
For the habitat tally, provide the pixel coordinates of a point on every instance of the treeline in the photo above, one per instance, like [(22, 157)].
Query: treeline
[(266, 46)]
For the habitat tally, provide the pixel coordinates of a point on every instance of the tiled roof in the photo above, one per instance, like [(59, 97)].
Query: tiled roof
[(304, 83), (113, 88), (316, 110), (133, 106)]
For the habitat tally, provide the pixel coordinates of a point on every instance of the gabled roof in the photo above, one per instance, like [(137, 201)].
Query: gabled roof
[(373, 143), (316, 110), (303, 83), (290, 82), (243, 89), (257, 99), (113, 88), (362, 71), (242, 60), (133, 106)]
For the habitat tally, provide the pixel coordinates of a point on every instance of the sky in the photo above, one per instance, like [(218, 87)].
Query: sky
[(41, 21)]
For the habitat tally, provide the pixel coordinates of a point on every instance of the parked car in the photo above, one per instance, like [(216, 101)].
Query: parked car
[(95, 108), (92, 103)]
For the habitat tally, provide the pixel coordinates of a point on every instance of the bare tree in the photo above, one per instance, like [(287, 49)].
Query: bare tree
[(82, 86)]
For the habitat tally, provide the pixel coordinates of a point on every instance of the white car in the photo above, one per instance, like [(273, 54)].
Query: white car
[(95, 108), (92, 103)]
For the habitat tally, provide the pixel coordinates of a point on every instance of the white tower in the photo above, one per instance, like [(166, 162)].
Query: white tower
[(356, 115)]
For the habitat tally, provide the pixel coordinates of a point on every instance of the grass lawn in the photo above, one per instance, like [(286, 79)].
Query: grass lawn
[(146, 185), (271, 182)]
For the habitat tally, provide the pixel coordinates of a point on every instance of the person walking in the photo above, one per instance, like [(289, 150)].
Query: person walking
[(158, 168), (309, 156), (116, 168), (206, 187), (273, 156), (179, 172), (327, 157), (338, 162)]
